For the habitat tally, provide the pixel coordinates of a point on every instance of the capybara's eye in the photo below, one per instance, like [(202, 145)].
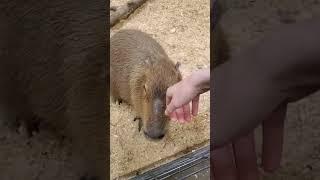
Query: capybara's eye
[(145, 89)]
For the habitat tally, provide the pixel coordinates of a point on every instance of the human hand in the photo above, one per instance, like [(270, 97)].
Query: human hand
[(238, 160), (179, 96), (178, 101)]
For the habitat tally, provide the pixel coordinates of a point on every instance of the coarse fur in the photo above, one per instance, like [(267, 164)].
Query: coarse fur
[(52, 66), (140, 73)]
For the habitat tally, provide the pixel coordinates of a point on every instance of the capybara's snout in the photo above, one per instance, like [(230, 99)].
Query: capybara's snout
[(155, 127), (155, 134)]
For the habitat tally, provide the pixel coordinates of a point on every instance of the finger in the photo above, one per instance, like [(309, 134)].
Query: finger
[(186, 110), (173, 116), (170, 108), (195, 105), (246, 158), (273, 132), (223, 164), (180, 115)]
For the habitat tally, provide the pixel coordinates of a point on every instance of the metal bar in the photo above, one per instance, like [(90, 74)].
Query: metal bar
[(185, 177), (186, 168), (177, 166)]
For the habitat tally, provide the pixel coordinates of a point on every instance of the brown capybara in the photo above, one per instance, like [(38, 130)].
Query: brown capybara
[(53, 78), (141, 72)]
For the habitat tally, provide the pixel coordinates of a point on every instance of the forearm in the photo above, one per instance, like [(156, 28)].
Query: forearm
[(284, 66), (290, 57)]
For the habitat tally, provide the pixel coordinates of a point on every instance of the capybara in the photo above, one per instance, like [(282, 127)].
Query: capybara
[(140, 73), (52, 74)]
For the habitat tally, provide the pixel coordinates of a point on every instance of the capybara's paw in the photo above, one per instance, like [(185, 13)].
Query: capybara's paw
[(119, 101), (113, 8), (32, 125), (139, 123)]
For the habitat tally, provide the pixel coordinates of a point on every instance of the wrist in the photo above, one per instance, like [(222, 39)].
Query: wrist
[(200, 80)]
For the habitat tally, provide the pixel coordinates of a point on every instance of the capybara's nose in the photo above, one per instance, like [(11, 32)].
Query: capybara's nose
[(161, 136), (154, 136)]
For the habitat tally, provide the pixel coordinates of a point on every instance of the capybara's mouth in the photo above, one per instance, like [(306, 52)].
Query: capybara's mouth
[(153, 138)]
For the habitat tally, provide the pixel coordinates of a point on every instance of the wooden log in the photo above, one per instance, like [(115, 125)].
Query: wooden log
[(122, 12)]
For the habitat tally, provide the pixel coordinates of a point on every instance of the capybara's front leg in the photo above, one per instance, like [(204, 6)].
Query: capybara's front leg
[(88, 125), (139, 123), (88, 132)]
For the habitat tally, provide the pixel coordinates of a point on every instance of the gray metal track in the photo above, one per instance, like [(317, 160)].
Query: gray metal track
[(186, 167)]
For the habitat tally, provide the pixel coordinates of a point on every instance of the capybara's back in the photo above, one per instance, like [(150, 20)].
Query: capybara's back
[(140, 74)]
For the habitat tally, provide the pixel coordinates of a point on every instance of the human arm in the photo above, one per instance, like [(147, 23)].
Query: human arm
[(283, 67)]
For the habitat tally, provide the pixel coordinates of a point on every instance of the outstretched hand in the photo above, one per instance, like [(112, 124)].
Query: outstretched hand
[(178, 101), (179, 96)]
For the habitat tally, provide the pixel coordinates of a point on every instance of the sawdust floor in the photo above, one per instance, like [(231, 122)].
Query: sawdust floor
[(246, 22), (182, 28)]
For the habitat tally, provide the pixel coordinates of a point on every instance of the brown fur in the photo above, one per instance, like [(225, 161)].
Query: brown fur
[(140, 74), (52, 77)]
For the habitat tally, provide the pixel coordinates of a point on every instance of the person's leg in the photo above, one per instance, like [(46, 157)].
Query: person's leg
[(273, 132), (223, 166), (246, 158)]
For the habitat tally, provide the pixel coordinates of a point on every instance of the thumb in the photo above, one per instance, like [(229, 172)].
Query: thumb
[(168, 101), (170, 108)]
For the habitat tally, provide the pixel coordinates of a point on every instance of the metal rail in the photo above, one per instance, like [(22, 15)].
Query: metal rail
[(181, 168)]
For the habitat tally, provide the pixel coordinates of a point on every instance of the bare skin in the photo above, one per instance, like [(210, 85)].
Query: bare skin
[(189, 89)]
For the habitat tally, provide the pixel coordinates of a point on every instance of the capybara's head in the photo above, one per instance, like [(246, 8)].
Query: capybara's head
[(158, 78)]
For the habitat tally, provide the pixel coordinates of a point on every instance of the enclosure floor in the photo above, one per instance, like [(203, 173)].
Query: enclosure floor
[(245, 23), (182, 28)]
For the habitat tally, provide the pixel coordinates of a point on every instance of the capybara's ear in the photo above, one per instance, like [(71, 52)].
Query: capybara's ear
[(177, 66)]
